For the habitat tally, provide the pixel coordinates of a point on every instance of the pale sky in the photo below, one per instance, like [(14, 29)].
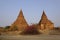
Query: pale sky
[(32, 10)]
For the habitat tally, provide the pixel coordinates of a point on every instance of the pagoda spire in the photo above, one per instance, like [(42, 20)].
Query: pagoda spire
[(44, 15), (20, 13), (43, 18)]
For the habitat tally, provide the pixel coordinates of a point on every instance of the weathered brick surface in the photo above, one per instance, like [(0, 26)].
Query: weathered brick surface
[(45, 23), (20, 22)]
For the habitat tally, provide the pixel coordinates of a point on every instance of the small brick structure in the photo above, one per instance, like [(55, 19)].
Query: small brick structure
[(20, 22), (45, 23)]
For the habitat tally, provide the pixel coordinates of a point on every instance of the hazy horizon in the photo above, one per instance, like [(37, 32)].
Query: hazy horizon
[(32, 10)]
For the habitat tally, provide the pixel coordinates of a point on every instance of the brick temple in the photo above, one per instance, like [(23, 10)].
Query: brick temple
[(45, 23), (20, 23)]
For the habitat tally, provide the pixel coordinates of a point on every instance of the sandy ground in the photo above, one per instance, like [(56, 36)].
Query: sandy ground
[(30, 37)]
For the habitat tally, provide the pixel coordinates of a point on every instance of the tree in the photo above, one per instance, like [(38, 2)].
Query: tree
[(7, 27)]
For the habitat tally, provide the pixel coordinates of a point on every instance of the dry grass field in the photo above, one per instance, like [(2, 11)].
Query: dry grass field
[(30, 37)]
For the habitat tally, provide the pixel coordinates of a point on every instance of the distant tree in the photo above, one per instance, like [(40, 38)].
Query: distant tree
[(7, 27)]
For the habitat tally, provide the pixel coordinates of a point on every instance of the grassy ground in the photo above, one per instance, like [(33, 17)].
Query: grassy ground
[(30, 37)]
